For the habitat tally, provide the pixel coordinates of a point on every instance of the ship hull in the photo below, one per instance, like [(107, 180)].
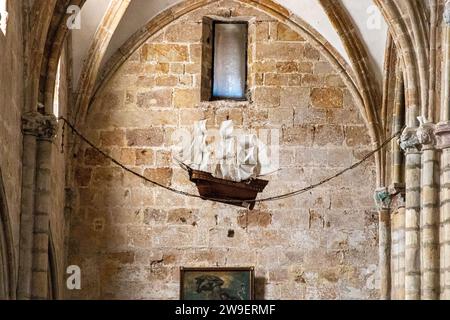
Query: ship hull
[(240, 194)]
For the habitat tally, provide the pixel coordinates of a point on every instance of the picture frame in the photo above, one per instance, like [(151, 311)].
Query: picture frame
[(217, 283)]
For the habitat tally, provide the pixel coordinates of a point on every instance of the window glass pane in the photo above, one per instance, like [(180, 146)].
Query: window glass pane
[(230, 60), (57, 90), (3, 16)]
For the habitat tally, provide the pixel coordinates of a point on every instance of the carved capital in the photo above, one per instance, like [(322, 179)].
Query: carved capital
[(42, 126), (443, 135), (398, 196), (409, 142), (447, 13), (426, 134), (383, 198)]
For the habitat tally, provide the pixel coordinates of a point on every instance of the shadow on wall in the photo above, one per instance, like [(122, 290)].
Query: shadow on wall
[(6, 253), (260, 288)]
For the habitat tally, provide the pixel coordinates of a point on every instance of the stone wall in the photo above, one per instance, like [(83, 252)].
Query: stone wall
[(130, 238), (11, 103)]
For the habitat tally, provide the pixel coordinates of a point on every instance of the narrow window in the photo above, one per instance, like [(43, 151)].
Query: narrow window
[(3, 15), (229, 76), (57, 90), (224, 60)]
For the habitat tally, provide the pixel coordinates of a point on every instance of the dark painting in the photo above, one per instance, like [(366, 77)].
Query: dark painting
[(217, 283)]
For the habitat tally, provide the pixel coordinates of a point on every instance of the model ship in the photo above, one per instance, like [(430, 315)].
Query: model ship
[(230, 173)]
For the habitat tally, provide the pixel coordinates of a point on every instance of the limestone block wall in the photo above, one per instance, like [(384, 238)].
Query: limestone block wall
[(131, 238), (11, 103)]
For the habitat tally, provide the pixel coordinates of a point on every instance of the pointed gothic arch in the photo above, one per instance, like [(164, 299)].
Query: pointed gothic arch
[(270, 7)]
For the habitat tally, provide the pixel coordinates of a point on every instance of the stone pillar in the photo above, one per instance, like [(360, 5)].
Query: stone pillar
[(30, 130), (445, 110), (443, 137), (43, 129), (397, 192), (429, 220), (410, 144), (383, 201)]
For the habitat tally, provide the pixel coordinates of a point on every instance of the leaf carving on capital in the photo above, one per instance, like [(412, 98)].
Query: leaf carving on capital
[(383, 198), (40, 125), (426, 132), (409, 140)]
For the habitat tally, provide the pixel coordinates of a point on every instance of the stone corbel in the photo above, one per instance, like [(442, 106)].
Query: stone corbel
[(42, 126), (383, 199), (409, 142), (443, 135)]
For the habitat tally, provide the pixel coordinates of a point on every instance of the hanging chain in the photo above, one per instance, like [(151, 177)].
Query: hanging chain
[(191, 195), (63, 135)]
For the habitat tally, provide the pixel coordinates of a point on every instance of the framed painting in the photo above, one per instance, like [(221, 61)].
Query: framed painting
[(217, 283)]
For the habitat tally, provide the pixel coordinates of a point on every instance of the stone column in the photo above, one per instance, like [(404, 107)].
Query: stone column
[(397, 192), (43, 128), (443, 136), (445, 110), (43, 207), (30, 130), (410, 144), (429, 220), (383, 201)]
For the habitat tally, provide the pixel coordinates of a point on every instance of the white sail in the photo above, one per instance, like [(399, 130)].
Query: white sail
[(226, 167), (247, 157), (236, 159), (227, 129), (265, 166), (199, 153)]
